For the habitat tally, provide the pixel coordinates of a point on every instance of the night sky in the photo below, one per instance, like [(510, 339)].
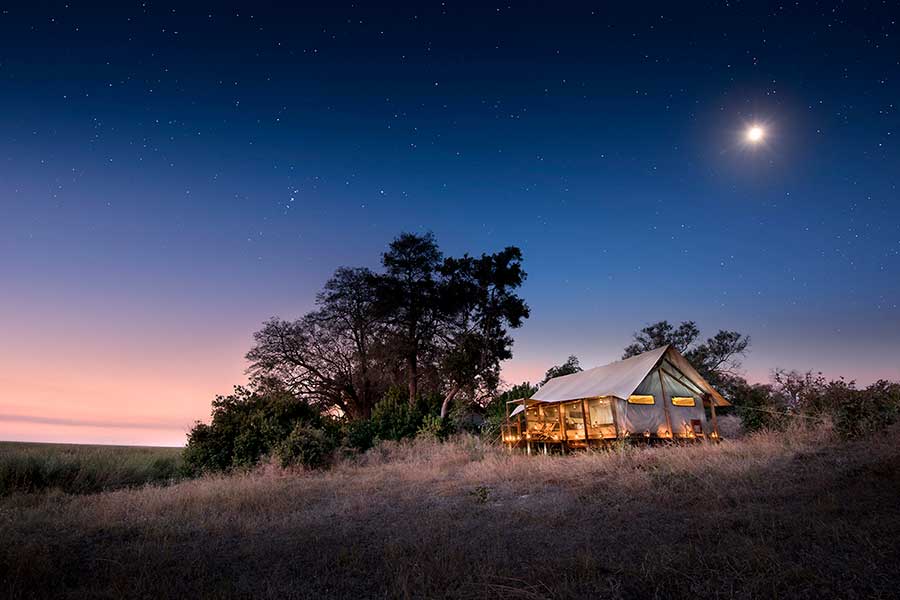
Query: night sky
[(172, 176)]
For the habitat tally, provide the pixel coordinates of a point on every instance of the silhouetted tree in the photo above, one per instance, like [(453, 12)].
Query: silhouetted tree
[(408, 297), (567, 368), (715, 359), (332, 356), (427, 320), (663, 333), (478, 306)]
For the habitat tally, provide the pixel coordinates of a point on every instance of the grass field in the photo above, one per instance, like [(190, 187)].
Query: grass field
[(797, 516), (78, 469)]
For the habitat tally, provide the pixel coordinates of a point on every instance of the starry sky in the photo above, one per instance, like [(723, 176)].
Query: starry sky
[(171, 175)]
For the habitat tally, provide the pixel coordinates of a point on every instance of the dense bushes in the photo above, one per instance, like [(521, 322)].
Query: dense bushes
[(810, 397), (246, 425), (305, 446), (393, 418), (253, 423)]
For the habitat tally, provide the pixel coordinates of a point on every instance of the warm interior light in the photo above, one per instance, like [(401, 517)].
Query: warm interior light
[(640, 399), (683, 401)]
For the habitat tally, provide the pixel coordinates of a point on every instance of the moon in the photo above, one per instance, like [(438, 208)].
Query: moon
[(755, 134)]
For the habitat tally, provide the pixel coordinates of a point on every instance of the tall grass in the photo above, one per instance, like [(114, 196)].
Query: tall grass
[(77, 469), (796, 514)]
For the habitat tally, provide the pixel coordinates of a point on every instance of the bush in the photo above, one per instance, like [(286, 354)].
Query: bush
[(358, 435), (759, 408), (858, 413), (306, 446), (433, 427), (810, 398), (393, 418), (246, 425)]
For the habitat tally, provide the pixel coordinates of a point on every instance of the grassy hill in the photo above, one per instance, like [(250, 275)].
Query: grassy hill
[(770, 515)]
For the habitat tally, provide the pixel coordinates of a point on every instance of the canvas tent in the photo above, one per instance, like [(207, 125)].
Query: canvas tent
[(657, 394)]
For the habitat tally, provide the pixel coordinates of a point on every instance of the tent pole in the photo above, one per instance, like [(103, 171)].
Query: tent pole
[(584, 419), (525, 415), (563, 438), (615, 414), (662, 386), (712, 411), (508, 429)]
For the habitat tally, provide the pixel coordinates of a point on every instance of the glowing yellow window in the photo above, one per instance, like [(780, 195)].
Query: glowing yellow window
[(683, 401), (641, 400)]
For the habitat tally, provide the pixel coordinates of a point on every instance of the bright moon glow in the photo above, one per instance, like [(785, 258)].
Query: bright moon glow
[(755, 134)]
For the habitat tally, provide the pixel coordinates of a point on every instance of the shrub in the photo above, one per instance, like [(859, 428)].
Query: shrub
[(858, 413), (358, 435), (810, 398), (305, 446), (393, 418), (758, 408), (433, 427), (246, 425)]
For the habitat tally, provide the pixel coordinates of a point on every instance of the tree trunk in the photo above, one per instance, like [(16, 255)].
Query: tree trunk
[(445, 406), (412, 367)]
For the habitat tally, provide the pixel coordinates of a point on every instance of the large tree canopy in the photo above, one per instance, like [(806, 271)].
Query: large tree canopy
[(408, 299), (334, 356), (478, 306), (435, 325)]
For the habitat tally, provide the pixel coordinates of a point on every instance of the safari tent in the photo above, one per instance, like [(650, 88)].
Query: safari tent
[(654, 395)]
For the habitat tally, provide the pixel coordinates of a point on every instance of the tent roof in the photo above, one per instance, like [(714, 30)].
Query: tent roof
[(620, 379)]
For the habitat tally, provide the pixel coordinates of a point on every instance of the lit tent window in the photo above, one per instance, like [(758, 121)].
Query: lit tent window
[(683, 401), (641, 399)]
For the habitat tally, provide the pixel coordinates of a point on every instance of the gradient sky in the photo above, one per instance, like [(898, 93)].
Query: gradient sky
[(171, 176)]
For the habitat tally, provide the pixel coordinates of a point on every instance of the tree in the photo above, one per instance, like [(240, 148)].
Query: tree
[(715, 359), (439, 325), (330, 357), (572, 365), (408, 299), (663, 333), (478, 305)]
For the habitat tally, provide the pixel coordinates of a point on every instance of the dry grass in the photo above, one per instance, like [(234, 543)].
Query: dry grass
[(799, 516)]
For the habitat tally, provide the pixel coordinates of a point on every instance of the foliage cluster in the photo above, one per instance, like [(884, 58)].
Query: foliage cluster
[(246, 426), (809, 396), (269, 421)]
